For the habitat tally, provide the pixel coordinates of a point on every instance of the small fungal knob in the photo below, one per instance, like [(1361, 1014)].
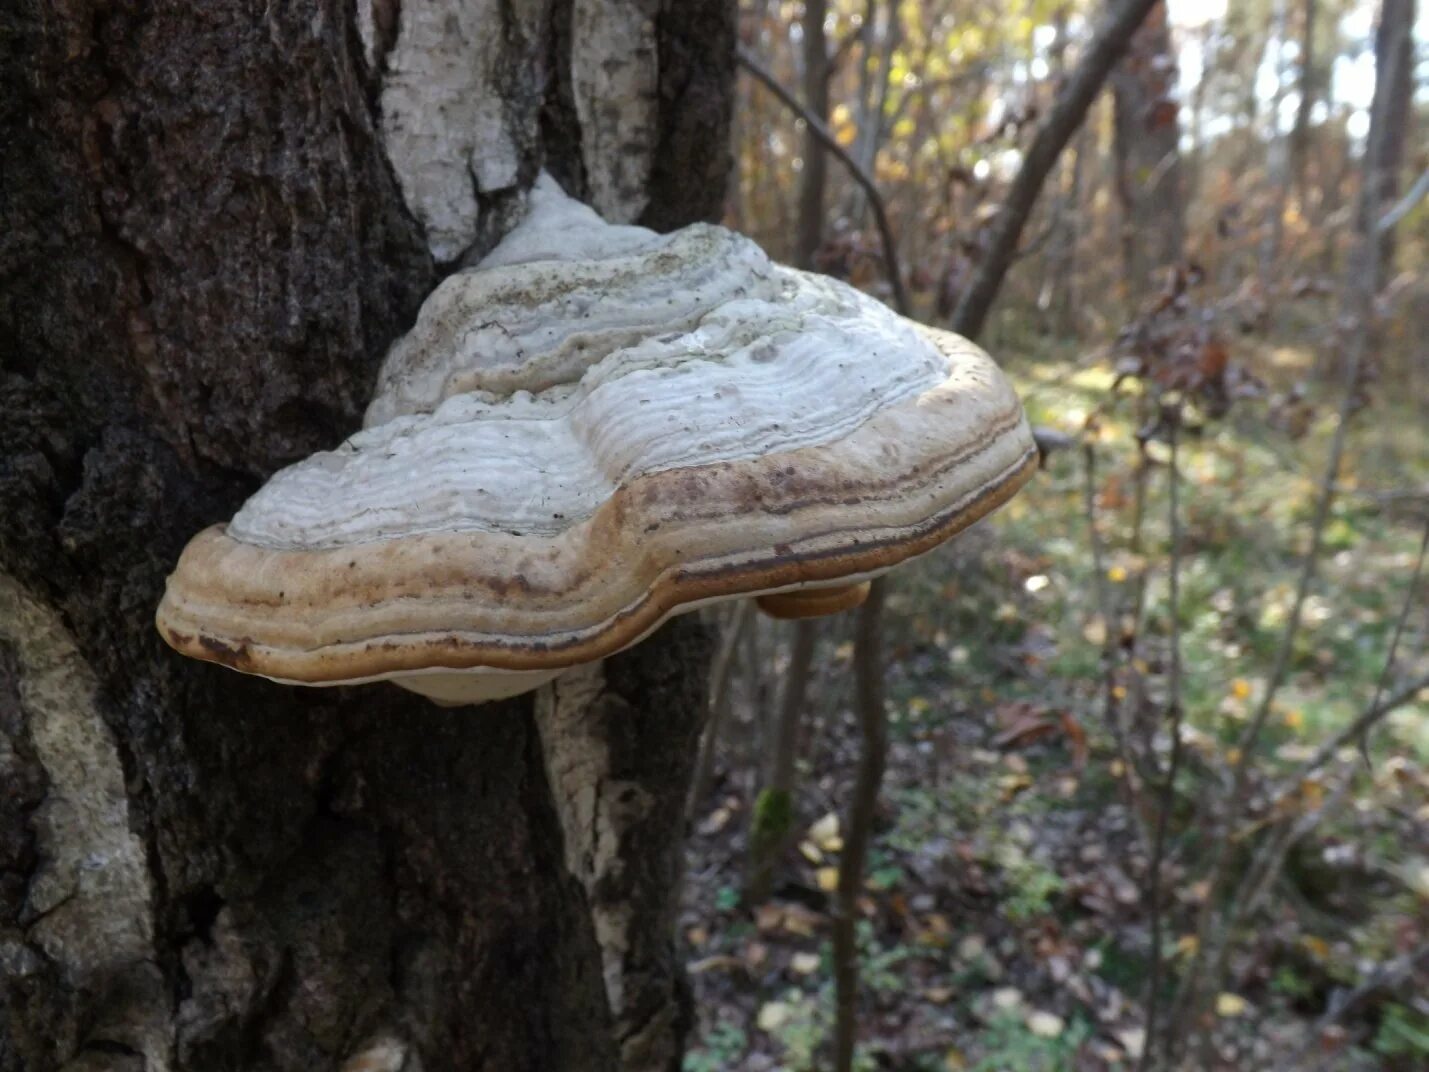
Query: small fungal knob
[(813, 602)]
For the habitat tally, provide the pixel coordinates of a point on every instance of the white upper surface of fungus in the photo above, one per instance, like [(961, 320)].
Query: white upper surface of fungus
[(594, 428), (579, 355)]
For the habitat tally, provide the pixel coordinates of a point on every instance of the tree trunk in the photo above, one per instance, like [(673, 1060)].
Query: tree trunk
[(814, 177), (1372, 256), (1147, 135), (1057, 297), (1389, 121), (217, 219), (871, 122), (1277, 149), (1307, 90)]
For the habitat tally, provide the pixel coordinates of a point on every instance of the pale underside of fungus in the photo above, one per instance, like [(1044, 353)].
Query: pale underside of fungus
[(595, 428)]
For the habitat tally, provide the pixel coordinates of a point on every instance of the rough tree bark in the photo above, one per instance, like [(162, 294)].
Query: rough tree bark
[(1148, 156), (217, 217)]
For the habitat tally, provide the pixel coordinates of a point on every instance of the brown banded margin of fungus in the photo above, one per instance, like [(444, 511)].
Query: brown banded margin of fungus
[(591, 430)]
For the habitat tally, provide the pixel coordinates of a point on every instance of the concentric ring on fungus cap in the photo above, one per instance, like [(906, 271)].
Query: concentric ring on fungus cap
[(788, 433)]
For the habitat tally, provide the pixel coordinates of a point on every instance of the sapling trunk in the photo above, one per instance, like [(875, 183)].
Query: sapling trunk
[(858, 825), (774, 807)]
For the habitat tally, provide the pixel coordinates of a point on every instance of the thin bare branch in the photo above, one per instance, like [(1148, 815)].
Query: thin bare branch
[(1067, 113), (1406, 204), (859, 175), (1269, 861), (1359, 727), (1378, 707), (1410, 602), (1390, 974)]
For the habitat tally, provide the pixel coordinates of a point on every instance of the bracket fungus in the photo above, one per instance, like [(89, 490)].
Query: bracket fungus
[(594, 428)]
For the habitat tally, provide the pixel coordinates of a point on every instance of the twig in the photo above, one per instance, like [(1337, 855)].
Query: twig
[(873, 722), (756, 690), (1409, 604), (859, 175), (1067, 113), (1356, 729), (1388, 975), (1267, 865), (1406, 204), (1259, 874), (841, 49), (1049, 441), (1386, 496), (1167, 789)]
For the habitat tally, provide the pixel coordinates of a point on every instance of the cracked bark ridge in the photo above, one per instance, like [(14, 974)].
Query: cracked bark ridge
[(619, 742), (461, 92), (206, 253), (614, 75)]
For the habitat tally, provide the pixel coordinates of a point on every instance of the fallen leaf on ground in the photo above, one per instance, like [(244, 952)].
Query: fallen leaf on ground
[(804, 963), (773, 1015), (1046, 1024), (1132, 1039), (825, 833), (1006, 998), (1228, 1004)]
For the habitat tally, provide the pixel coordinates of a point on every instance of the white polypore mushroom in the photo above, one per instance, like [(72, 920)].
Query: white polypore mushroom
[(593, 429)]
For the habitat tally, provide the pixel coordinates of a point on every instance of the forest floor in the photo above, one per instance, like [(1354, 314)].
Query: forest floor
[(1005, 926)]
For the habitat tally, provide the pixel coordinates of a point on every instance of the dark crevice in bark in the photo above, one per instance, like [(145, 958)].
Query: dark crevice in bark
[(560, 128), (386, 21), (525, 75)]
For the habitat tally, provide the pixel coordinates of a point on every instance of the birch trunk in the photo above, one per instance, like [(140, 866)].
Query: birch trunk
[(217, 218)]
